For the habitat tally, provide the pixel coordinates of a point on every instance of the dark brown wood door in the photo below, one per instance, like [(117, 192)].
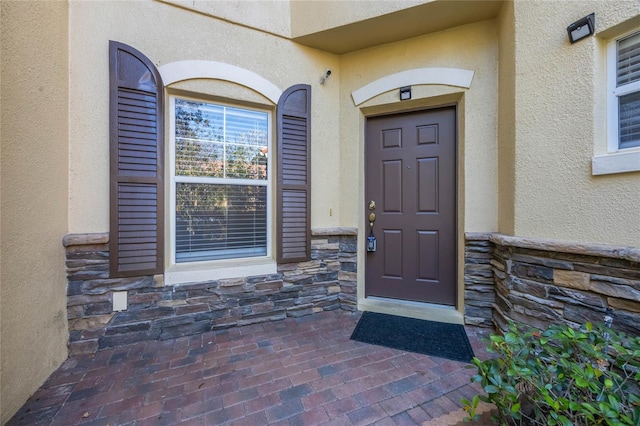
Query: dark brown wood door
[(411, 177)]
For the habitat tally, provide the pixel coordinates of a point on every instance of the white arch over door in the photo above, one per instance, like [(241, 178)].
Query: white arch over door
[(435, 75)]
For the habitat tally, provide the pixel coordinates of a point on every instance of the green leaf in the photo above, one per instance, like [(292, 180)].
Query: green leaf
[(565, 421), (491, 389), (515, 408), (581, 382), (574, 406), (510, 338), (615, 404), (549, 400), (476, 400)]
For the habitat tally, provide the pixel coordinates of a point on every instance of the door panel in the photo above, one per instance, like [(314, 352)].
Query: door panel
[(411, 175), (393, 255), (428, 255), (392, 181), (427, 185)]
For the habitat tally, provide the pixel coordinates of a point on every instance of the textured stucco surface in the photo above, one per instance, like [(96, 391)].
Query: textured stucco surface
[(536, 126), (267, 15), (559, 116), (165, 34), (472, 47), (506, 119), (347, 26), (309, 16), (34, 163)]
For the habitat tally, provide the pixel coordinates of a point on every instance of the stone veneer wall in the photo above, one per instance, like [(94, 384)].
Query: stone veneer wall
[(158, 311), (479, 287), (539, 282)]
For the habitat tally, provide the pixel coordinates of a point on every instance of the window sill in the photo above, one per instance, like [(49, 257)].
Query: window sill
[(616, 163), (218, 270)]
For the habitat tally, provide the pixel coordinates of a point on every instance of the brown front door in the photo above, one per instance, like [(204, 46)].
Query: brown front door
[(411, 177)]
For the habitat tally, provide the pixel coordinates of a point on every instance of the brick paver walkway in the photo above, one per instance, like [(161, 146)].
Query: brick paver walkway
[(298, 371)]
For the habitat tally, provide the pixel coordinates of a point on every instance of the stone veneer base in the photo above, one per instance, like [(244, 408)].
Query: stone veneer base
[(156, 311), (532, 281), (539, 282)]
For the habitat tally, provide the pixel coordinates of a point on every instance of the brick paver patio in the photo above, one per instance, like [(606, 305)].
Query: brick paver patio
[(298, 371)]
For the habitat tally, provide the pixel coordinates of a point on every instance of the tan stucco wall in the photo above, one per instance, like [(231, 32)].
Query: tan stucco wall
[(310, 16), (34, 166), (538, 129), (165, 34), (271, 16), (559, 116), (506, 120), (472, 47)]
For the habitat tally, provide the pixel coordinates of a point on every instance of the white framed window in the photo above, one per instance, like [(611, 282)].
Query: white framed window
[(623, 107), (624, 92), (220, 182)]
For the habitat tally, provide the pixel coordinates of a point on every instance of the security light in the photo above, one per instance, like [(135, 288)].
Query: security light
[(405, 93), (582, 28)]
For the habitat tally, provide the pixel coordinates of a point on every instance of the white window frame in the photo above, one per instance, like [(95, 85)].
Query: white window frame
[(184, 272), (617, 160)]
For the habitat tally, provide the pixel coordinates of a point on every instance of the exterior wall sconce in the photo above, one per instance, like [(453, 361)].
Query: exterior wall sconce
[(582, 28), (405, 93)]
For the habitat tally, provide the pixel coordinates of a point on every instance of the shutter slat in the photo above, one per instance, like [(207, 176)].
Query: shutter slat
[(129, 270), (131, 145), (136, 246), (136, 128)]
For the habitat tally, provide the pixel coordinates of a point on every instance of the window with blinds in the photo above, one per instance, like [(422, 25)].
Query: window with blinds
[(627, 90), (220, 181)]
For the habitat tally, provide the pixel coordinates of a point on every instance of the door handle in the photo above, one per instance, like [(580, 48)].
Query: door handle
[(371, 239), (372, 215)]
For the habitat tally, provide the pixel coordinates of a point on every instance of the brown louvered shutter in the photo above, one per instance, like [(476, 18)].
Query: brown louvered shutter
[(294, 175), (136, 150)]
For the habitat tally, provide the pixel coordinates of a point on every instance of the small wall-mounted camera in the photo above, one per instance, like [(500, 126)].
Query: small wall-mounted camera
[(326, 75)]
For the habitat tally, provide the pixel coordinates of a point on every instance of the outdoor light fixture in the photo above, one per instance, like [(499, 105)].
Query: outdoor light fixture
[(582, 28), (325, 76), (405, 93)]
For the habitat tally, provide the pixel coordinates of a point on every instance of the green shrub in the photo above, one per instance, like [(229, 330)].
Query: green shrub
[(561, 376)]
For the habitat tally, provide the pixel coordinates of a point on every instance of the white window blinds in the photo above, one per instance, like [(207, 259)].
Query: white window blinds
[(220, 181), (628, 88)]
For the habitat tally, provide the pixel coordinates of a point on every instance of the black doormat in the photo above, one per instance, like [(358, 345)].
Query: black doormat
[(413, 335)]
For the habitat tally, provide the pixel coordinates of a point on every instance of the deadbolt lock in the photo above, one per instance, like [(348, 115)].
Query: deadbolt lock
[(372, 205)]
